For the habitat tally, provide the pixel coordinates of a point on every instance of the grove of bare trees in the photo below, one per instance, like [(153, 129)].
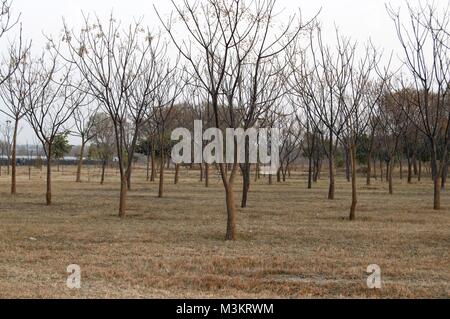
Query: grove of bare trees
[(233, 64)]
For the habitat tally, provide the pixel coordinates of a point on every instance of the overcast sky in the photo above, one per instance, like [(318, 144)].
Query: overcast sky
[(355, 18)]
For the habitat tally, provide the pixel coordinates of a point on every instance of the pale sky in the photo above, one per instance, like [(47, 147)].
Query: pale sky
[(357, 19)]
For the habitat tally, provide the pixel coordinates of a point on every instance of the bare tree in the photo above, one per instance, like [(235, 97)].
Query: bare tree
[(13, 93), (221, 35), (84, 118), (316, 85), (119, 66), (354, 93), (8, 22), (103, 141), (52, 97), (6, 131), (290, 143), (425, 40), (166, 96)]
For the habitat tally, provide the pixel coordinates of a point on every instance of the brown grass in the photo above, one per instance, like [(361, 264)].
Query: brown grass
[(292, 241)]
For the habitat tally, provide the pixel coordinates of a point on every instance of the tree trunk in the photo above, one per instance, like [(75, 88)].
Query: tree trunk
[(246, 184), (410, 170), (444, 178), (102, 181), (129, 171), (437, 193), (388, 168), (354, 190), (369, 169), (49, 178), (310, 172), (381, 171), (419, 175), (148, 167), (390, 177), (246, 171), (331, 191), (201, 173), (153, 175), (177, 173), (161, 177), (316, 170), (231, 211), (401, 169), (347, 164), (80, 161), (375, 175), (436, 177), (13, 162), (416, 170), (206, 175), (123, 195)]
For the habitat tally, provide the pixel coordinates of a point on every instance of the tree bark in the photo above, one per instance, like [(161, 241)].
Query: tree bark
[(369, 169), (401, 169), (123, 195), (129, 171), (391, 176), (13, 161), (177, 173), (354, 188), (436, 176), (437, 194), (416, 170), (410, 170), (206, 175), (230, 201), (310, 172), (161, 177), (231, 211), (316, 170), (80, 161), (388, 168), (102, 181), (331, 192), (246, 171), (375, 174), (347, 164), (419, 175), (153, 175), (381, 171), (49, 177), (148, 167), (444, 177), (246, 184)]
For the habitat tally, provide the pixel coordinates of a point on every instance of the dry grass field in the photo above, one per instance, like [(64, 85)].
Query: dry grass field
[(293, 243)]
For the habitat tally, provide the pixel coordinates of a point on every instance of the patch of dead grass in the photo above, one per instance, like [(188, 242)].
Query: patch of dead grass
[(293, 243)]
